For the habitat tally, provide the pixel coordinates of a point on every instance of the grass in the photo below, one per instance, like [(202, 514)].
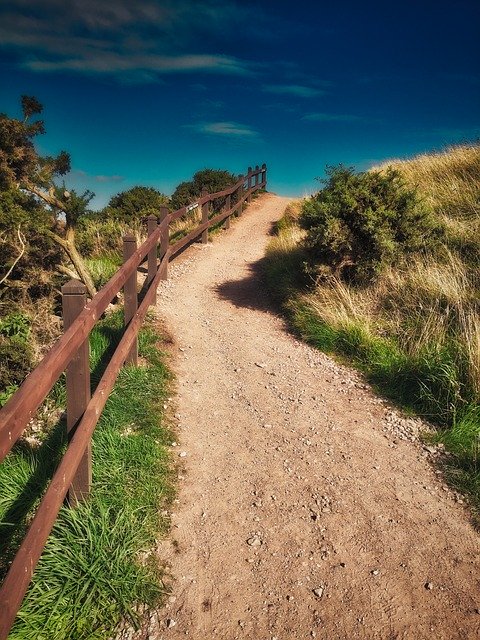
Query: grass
[(99, 567), (103, 267), (415, 330)]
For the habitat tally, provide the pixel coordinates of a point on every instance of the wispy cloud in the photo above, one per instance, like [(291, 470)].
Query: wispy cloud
[(232, 129), (298, 90), (121, 38), (332, 117), (113, 63), (114, 178), (83, 175)]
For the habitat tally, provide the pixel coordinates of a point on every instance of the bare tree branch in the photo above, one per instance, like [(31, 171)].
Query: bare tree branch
[(21, 239)]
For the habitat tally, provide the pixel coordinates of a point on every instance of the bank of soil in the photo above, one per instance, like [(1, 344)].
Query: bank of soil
[(307, 507)]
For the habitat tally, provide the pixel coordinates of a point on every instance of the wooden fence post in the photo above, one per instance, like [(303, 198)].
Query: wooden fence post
[(264, 175), (227, 208), (164, 241), (74, 298), (240, 193), (249, 184), (257, 175), (205, 211), (130, 304), (152, 254)]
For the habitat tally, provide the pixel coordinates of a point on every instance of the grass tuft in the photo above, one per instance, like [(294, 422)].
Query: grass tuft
[(99, 567)]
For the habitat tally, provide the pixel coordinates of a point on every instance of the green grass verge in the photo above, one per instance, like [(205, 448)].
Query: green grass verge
[(98, 567), (431, 384)]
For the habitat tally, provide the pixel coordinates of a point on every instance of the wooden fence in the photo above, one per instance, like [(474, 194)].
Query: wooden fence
[(72, 478)]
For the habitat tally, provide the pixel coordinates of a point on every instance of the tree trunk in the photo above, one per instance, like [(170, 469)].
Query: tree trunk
[(68, 245)]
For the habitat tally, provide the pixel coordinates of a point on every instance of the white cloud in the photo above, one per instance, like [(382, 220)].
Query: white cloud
[(233, 129)]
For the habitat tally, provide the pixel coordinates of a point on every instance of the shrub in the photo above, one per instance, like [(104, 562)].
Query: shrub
[(132, 205), (212, 180), (361, 222)]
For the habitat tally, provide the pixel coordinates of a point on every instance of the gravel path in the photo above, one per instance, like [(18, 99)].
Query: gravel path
[(307, 508)]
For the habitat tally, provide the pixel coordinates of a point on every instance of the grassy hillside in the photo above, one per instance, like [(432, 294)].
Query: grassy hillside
[(414, 328)]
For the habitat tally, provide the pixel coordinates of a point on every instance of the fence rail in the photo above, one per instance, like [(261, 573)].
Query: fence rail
[(70, 353)]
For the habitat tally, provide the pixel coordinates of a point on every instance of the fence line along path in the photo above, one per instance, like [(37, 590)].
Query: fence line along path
[(70, 354)]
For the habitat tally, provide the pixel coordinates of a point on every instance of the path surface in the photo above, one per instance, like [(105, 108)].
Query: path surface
[(296, 478)]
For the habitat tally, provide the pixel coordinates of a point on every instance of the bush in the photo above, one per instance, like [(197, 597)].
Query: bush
[(211, 180), (361, 222), (132, 205)]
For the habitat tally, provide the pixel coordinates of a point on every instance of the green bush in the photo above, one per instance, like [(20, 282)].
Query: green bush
[(360, 222), (210, 180), (134, 204)]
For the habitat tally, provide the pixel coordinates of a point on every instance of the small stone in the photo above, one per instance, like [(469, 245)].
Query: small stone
[(183, 454), (318, 592), (171, 623), (429, 586), (430, 449), (375, 572), (254, 541)]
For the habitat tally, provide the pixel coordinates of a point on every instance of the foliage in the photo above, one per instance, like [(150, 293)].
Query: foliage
[(16, 326), (99, 565), (30, 257), (210, 180), (23, 168), (132, 205), (96, 235), (361, 222), (103, 267)]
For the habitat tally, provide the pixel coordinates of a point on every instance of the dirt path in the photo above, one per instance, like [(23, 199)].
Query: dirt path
[(304, 509)]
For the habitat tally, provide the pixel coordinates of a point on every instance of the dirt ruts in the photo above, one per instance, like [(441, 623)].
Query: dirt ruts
[(307, 508)]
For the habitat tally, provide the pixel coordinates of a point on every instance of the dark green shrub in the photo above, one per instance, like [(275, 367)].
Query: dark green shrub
[(210, 180), (134, 204), (360, 222)]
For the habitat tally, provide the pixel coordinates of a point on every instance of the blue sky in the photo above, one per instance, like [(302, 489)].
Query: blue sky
[(148, 92)]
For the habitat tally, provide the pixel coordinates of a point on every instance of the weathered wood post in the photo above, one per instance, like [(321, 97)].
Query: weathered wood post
[(152, 254), (257, 176), (130, 294), (264, 175), (227, 208), (74, 298), (164, 240), (205, 211), (240, 193), (249, 184)]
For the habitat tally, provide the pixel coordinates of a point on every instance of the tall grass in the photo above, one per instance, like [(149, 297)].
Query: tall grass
[(414, 330), (99, 565), (449, 180)]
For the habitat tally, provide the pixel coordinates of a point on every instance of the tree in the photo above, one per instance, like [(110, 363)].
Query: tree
[(211, 180), (132, 205), (22, 168)]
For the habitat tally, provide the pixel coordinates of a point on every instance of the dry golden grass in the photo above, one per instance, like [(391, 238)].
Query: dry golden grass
[(449, 179)]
